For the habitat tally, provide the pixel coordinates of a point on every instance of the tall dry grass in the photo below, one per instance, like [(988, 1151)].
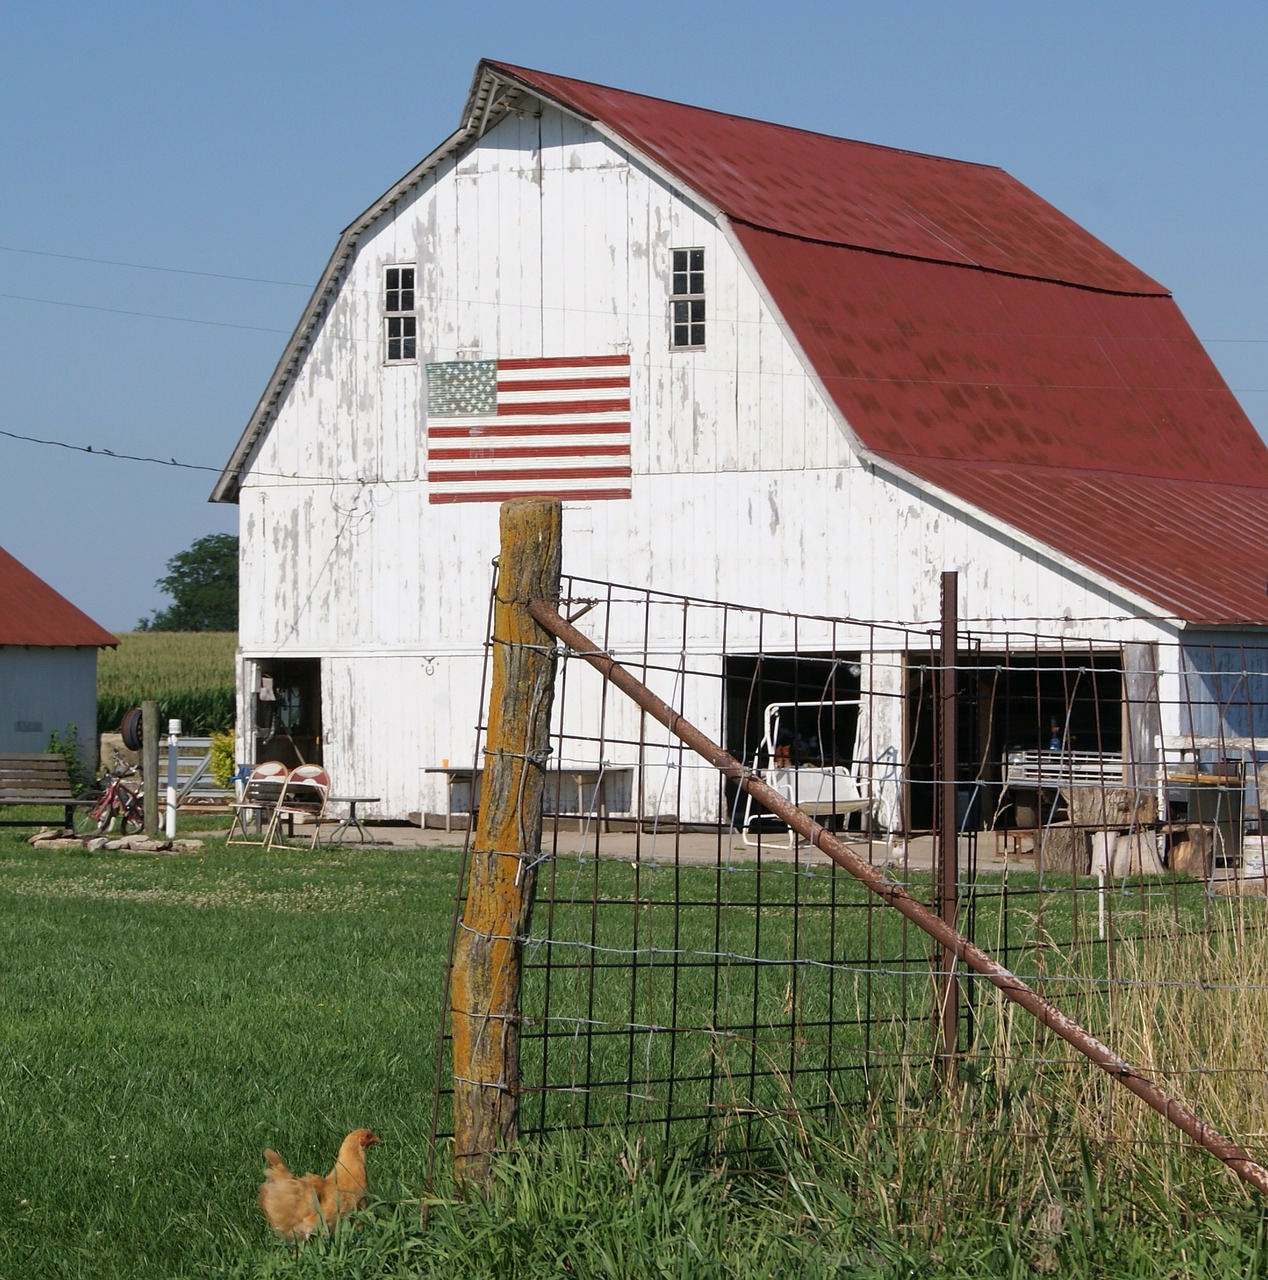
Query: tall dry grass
[(1187, 1008), (1192, 1010)]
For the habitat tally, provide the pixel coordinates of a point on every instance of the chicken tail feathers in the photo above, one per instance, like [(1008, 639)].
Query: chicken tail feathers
[(276, 1169)]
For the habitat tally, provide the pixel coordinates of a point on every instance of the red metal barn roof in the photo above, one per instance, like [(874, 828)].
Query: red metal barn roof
[(33, 614), (977, 339)]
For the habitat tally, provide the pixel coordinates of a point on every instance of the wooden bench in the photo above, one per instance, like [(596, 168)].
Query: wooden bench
[(36, 780)]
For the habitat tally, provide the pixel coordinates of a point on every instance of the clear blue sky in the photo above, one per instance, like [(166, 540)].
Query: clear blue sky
[(175, 177)]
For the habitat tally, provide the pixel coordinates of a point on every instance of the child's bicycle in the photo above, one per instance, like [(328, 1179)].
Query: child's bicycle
[(117, 801)]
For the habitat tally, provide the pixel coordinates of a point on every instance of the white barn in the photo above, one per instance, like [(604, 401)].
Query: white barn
[(757, 364)]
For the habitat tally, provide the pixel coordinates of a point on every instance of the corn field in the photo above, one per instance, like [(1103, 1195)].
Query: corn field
[(190, 674)]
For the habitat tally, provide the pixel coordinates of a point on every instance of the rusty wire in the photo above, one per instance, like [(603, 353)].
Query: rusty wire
[(682, 983)]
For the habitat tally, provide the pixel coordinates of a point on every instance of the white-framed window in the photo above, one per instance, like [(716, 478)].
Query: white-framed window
[(686, 299), (400, 324)]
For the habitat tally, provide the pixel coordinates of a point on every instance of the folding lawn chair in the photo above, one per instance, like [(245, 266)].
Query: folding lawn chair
[(254, 807), (304, 797)]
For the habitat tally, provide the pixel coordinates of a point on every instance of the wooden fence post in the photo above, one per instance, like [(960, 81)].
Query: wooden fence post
[(485, 986), (150, 766)]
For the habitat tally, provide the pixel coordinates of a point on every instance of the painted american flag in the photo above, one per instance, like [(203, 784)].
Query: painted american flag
[(499, 429)]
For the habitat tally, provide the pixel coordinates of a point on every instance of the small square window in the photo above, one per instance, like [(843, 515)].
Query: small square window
[(686, 299), (689, 322), (400, 323), (401, 338)]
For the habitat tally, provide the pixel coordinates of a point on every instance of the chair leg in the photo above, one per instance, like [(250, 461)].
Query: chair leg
[(275, 819), (238, 826)]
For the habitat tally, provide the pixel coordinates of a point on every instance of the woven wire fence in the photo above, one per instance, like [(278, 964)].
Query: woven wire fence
[(690, 967)]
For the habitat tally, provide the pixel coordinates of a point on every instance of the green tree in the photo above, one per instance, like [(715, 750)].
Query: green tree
[(203, 585)]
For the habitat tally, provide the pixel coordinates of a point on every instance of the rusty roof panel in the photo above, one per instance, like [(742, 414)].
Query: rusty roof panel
[(1095, 423), (1198, 550), (33, 614), (927, 360), (853, 193), (972, 335)]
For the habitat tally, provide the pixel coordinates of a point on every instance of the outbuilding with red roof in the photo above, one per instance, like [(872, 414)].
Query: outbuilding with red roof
[(48, 665)]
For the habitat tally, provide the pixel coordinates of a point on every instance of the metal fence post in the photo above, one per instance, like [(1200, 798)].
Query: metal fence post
[(947, 987), (150, 766)]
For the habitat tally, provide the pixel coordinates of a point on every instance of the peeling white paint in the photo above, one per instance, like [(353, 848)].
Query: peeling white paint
[(544, 239)]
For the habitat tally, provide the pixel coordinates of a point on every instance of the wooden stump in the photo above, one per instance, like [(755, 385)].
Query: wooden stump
[(1118, 808), (1192, 850), (1064, 847), (1136, 853), (1103, 843)]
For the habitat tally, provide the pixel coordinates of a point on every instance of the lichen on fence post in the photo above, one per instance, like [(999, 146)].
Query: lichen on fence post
[(485, 986)]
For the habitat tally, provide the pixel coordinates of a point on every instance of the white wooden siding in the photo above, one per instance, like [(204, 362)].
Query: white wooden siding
[(544, 239)]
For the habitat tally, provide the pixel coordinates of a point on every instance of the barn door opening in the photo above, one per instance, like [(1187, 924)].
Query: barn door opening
[(812, 698), (1018, 700), (286, 711)]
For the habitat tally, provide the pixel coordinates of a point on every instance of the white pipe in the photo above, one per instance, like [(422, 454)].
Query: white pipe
[(173, 735)]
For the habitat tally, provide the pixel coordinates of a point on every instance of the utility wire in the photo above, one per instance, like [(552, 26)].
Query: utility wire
[(98, 452), (148, 315), (144, 266), (110, 453)]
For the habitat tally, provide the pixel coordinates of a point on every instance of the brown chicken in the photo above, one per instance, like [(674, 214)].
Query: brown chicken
[(298, 1207)]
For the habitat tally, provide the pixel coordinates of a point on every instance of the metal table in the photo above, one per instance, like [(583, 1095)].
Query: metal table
[(350, 819)]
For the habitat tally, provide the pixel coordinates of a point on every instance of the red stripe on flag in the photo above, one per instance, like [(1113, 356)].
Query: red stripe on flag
[(564, 408), (505, 495), (493, 431), (561, 384), (566, 362)]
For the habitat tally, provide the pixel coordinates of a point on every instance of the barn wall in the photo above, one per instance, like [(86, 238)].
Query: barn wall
[(1222, 691), (43, 691), (544, 239)]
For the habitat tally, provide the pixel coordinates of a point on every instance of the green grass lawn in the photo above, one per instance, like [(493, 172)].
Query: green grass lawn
[(163, 1019)]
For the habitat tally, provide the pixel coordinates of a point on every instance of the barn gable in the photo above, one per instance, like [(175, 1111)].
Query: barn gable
[(969, 338)]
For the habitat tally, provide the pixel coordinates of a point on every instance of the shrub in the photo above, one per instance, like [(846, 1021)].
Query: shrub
[(223, 757), (67, 746)]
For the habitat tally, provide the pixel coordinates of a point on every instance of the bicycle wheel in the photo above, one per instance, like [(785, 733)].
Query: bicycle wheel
[(94, 819), (132, 819)]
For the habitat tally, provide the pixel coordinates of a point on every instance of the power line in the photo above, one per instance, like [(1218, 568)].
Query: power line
[(145, 315), (110, 453), (145, 266), (99, 452)]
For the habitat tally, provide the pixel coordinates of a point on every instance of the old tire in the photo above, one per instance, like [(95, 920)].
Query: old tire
[(130, 729)]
